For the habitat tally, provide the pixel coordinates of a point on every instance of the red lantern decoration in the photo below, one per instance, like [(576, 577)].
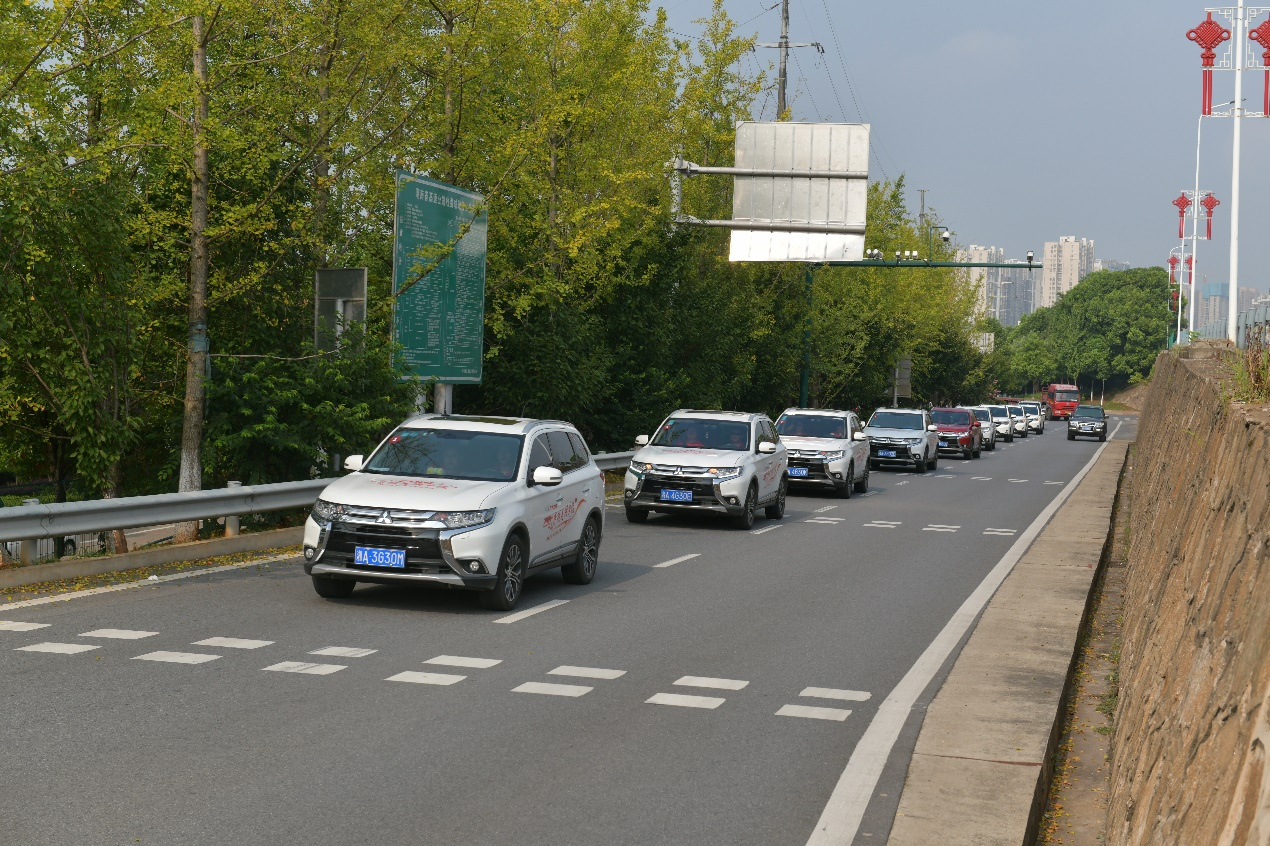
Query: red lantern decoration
[(1182, 203), (1208, 35), (1209, 203), (1190, 270), (1173, 263), (1261, 35)]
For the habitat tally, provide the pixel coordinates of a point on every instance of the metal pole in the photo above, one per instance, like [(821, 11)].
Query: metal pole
[(1190, 310), (784, 51), (231, 522), (26, 548), (443, 398), (1238, 51), (806, 381)]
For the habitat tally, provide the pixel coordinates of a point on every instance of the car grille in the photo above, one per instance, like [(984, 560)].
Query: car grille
[(388, 516), (423, 551)]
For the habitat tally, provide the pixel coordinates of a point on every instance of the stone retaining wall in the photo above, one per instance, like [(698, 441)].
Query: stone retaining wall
[(1193, 719)]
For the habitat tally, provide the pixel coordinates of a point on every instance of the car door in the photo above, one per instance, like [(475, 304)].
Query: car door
[(768, 468), (561, 523), (539, 501), (859, 449)]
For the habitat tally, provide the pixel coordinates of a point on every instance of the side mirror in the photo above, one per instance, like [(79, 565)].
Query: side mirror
[(354, 463), (767, 448), (978, 425), (859, 436), (932, 428), (641, 440), (548, 477)]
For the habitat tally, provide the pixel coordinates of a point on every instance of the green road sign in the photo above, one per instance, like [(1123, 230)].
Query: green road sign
[(438, 279)]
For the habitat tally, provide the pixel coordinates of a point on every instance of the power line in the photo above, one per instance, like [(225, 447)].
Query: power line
[(798, 65), (851, 89)]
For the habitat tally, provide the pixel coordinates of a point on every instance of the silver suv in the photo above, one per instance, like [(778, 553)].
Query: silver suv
[(827, 449), (468, 502), (901, 437), (729, 462)]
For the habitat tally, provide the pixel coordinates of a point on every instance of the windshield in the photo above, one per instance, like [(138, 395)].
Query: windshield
[(1014, 411), (1032, 407), (1067, 396), (1088, 411), (448, 454), (983, 414), (696, 433), (811, 426), (896, 420), (951, 418), (998, 412)]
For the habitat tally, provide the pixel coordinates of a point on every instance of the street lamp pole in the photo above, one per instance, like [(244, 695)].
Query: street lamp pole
[(1238, 51)]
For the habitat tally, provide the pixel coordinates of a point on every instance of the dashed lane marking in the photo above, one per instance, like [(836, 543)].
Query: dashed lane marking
[(826, 508), (425, 678), (529, 612), (821, 522), (705, 681), (945, 476), (1004, 532), (905, 482), (119, 634), (1051, 483), (14, 626), (177, 657), (1018, 480), (462, 661), (811, 712), (344, 652), (672, 562), (765, 531), (685, 701), (937, 528), (58, 648), (587, 672), (232, 643), (553, 689), (981, 478), (305, 668), (833, 693), (882, 524)]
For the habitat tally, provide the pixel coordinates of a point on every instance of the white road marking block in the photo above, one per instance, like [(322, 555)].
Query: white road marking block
[(119, 634), (586, 672), (177, 657), (13, 626), (425, 678), (833, 693), (765, 531), (811, 712), (672, 562), (941, 526), (933, 529), (529, 612), (825, 508), (705, 681), (344, 652), (1018, 480), (877, 526), (981, 478), (1051, 483), (946, 475), (1000, 534), (305, 668), (685, 701), (548, 689), (905, 482), (233, 643), (820, 521), (461, 661), (58, 648)]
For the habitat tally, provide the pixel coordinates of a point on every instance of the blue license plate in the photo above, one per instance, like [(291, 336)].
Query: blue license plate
[(369, 556), (943, 444), (676, 496), (798, 471), (886, 453)]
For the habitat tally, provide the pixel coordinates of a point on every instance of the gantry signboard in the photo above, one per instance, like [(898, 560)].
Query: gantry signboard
[(439, 305), (805, 188)]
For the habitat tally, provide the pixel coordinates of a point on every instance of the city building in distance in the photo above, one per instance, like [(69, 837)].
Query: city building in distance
[(1067, 261)]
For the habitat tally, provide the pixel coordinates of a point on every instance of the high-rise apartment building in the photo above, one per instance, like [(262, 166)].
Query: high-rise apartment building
[(1067, 261), (1016, 296), (1110, 264), (987, 279)]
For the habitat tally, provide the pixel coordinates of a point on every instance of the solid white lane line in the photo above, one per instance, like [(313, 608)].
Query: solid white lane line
[(306, 668), (825, 508), (684, 701), (13, 626), (811, 712), (425, 678), (58, 648), (705, 681), (177, 657), (529, 612), (833, 693), (232, 643), (764, 531), (672, 562), (840, 820), (344, 652), (461, 661), (548, 689), (119, 634), (587, 672)]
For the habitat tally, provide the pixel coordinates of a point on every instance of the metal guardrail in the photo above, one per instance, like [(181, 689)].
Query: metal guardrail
[(59, 519)]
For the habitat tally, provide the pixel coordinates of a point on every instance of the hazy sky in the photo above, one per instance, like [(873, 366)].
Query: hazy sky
[(1027, 121)]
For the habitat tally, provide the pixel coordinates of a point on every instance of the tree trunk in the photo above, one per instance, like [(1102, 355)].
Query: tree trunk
[(112, 491), (191, 472)]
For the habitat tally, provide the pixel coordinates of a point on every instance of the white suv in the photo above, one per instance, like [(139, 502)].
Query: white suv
[(468, 502), (827, 448), (729, 462), (900, 437)]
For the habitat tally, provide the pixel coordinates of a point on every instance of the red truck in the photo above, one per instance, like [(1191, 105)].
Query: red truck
[(1060, 400)]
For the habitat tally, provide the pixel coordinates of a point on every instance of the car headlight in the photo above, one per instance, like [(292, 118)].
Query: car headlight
[(465, 519), (327, 512), (723, 474), (912, 441), (832, 454), (639, 468)]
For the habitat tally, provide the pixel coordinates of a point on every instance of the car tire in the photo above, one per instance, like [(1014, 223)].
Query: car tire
[(862, 486), (1070, 436), (844, 491), (329, 588), (776, 510), (979, 451), (581, 570), (968, 454), (933, 464), (636, 515), (511, 576), (919, 465), (1009, 439), (745, 520), (1102, 439)]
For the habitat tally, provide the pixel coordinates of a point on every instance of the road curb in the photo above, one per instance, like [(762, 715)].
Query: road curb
[(982, 764), (159, 555)]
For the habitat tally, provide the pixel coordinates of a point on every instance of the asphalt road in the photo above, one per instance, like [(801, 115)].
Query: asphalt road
[(713, 700)]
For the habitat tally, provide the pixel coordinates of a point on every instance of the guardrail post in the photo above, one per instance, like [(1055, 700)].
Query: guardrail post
[(26, 548), (231, 523)]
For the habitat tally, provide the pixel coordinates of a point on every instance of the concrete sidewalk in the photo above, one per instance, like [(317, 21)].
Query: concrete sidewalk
[(980, 770)]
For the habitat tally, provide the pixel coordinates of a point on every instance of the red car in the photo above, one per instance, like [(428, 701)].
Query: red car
[(959, 431)]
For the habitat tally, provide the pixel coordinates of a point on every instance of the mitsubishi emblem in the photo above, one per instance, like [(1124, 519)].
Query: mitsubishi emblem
[(384, 518)]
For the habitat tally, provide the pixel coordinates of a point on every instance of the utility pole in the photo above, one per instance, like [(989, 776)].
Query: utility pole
[(922, 217), (784, 45)]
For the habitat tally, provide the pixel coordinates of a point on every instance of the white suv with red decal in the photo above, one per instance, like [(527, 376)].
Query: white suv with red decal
[(468, 502), (729, 462)]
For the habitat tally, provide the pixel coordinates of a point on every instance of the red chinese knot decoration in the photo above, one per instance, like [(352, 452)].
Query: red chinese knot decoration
[(1261, 35), (1183, 203), (1190, 271), (1173, 263), (1208, 35), (1209, 203)]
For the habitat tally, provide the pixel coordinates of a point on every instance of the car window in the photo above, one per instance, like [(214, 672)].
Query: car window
[(698, 433), (765, 433), (983, 414), (539, 454), (562, 457), (951, 418), (580, 450), (811, 426), (1088, 411), (896, 420), (448, 454)]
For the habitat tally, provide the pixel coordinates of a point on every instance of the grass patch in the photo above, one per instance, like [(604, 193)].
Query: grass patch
[(1251, 372)]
